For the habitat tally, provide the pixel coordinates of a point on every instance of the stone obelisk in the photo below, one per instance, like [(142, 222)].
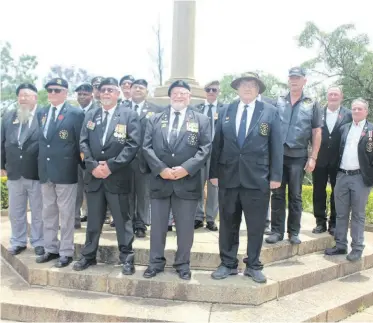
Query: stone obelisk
[(183, 52)]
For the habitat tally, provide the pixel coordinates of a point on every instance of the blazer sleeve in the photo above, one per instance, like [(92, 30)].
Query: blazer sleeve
[(78, 123), (3, 138), (276, 150), (217, 146), (89, 162)]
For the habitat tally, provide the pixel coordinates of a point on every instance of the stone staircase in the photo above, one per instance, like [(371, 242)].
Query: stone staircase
[(303, 284)]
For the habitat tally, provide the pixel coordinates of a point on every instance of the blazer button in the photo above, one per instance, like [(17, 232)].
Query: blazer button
[(173, 155), (20, 156), (102, 152), (330, 137), (48, 146), (48, 159)]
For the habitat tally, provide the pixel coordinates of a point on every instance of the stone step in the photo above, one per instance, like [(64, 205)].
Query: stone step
[(328, 302), (362, 315), (284, 277)]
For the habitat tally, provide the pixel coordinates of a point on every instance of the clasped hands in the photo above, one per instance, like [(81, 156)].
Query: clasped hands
[(102, 170), (174, 173)]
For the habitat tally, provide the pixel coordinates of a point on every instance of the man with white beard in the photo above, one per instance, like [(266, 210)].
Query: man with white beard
[(176, 146), (19, 162)]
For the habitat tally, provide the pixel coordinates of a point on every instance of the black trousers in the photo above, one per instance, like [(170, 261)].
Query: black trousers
[(292, 177), (320, 179), (254, 204), (97, 203)]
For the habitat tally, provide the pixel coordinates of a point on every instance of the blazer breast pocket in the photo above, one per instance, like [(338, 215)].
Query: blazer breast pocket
[(264, 129), (192, 139)]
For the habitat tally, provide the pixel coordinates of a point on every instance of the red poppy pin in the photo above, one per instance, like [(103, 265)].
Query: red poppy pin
[(340, 116), (60, 117), (363, 134)]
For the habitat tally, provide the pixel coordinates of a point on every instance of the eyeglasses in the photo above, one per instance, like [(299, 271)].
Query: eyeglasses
[(54, 90), (209, 89), (107, 89)]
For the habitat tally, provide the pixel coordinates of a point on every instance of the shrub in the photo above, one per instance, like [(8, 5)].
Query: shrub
[(4, 194)]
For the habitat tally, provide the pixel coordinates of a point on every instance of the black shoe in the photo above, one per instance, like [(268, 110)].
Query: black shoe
[(140, 233), (112, 224), (47, 257), (331, 230), (63, 261), (256, 275), (274, 238), (223, 272), (84, 264), (151, 272), (354, 255), (198, 224), (184, 274), (128, 267), (294, 239), (77, 226), (169, 228), (16, 250), (319, 229), (39, 250), (83, 219), (107, 221), (334, 251), (211, 226)]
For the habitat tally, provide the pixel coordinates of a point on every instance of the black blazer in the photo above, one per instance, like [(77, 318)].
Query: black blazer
[(365, 157), (259, 161), (220, 106), (121, 145), (330, 142), (19, 159), (59, 155), (192, 149)]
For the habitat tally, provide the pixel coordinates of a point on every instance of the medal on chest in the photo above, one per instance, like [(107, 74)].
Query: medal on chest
[(369, 146)]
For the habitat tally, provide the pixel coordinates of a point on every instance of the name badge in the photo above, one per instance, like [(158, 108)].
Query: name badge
[(192, 126)]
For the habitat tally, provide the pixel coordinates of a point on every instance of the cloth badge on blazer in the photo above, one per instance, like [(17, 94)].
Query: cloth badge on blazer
[(91, 125), (192, 139), (369, 146), (216, 115), (63, 134), (120, 132), (263, 129), (164, 121), (15, 121), (192, 126)]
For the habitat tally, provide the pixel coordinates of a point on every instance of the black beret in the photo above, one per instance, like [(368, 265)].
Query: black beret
[(127, 78), (97, 80), (85, 87), (26, 86), (297, 71), (108, 81), (140, 82), (178, 83), (57, 81)]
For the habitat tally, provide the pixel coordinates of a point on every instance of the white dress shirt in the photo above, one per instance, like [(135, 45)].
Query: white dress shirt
[(109, 116), (58, 110), (172, 118), (331, 118), (87, 107), (240, 110), (350, 159), (139, 109)]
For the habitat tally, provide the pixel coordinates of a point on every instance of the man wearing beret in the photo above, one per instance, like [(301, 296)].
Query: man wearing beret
[(177, 144), (139, 197), (95, 82), (59, 157), (211, 108), (109, 141), (19, 162), (125, 84), (246, 163), (301, 122), (85, 99)]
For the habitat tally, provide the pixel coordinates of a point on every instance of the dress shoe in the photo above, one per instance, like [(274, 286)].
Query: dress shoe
[(140, 233), (63, 261), (47, 257), (151, 272), (84, 264), (211, 226), (77, 226), (256, 275), (294, 239), (83, 219), (16, 250), (39, 250), (128, 267), (331, 230), (334, 251), (107, 221), (223, 272), (198, 224), (354, 255), (319, 229), (112, 224), (169, 228), (274, 238), (184, 274)]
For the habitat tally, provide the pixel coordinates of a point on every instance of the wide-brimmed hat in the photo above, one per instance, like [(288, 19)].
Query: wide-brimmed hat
[(249, 76)]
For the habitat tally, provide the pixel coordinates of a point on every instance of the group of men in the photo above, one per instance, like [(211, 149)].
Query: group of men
[(139, 163)]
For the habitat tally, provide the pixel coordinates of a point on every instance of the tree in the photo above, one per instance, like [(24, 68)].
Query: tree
[(157, 55), (343, 58)]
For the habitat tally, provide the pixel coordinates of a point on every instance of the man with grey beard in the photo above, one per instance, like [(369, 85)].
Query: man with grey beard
[(176, 146), (19, 162)]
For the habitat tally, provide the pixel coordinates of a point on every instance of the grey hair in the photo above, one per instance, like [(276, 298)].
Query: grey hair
[(335, 87), (361, 100)]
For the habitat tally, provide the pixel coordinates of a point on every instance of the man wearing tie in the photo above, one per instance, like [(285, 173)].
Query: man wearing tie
[(125, 84), (176, 146), (246, 162), (110, 139), (211, 108), (59, 158), (95, 82), (19, 162), (334, 117)]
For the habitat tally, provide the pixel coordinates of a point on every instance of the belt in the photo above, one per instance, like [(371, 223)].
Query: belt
[(350, 172)]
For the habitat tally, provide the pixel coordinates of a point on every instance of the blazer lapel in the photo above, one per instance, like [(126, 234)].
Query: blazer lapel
[(113, 122), (189, 117), (61, 117), (364, 132), (340, 118), (33, 127), (165, 124), (257, 114), (144, 110), (231, 118)]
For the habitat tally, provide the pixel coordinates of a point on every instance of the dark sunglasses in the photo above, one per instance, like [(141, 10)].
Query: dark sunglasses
[(107, 89), (54, 90), (211, 90)]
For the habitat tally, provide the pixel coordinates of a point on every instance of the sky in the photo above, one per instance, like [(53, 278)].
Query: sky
[(114, 37)]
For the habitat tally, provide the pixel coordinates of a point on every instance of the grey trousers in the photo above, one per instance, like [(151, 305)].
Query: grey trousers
[(20, 191), (351, 194), (81, 197), (184, 213), (212, 201), (59, 201)]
